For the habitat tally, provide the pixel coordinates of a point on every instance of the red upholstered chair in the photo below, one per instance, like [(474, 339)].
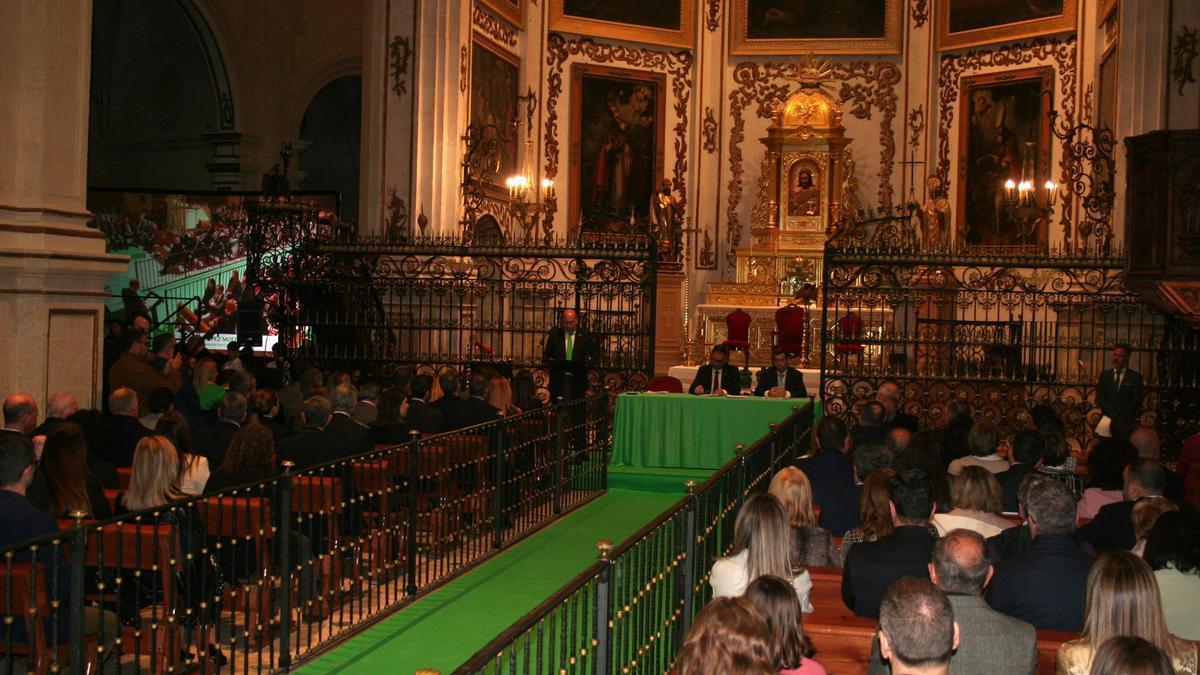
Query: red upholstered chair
[(849, 340), (665, 383), (789, 333), (738, 340)]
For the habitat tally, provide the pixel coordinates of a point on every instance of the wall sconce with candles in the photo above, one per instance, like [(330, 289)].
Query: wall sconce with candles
[(1024, 204), (531, 211)]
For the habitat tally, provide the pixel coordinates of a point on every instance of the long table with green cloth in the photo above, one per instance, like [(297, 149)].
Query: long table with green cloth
[(695, 432)]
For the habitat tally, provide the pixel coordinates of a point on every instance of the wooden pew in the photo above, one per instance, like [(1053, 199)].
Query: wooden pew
[(843, 640)]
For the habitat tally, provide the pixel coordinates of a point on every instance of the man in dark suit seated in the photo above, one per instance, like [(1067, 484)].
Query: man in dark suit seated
[(1112, 528), (124, 429), (473, 410), (872, 566), (1149, 446), (566, 355), (1044, 585), (889, 395), (313, 444), (717, 376), (59, 406), (780, 380), (1027, 449), (1118, 395), (266, 406), (1017, 539), (353, 435), (450, 398), (831, 474), (870, 426), (422, 416), (213, 440), (989, 642), (917, 630)]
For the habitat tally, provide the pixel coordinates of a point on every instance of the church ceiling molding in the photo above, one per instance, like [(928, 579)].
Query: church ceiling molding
[(1061, 53), (862, 88), (676, 64)]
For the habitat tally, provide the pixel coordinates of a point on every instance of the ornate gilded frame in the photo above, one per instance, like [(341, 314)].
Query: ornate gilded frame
[(891, 42), (513, 11), (511, 133), (1019, 30), (684, 37)]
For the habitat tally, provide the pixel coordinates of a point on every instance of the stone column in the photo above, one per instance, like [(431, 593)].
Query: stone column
[(52, 266)]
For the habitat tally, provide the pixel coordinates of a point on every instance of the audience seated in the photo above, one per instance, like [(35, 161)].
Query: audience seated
[(204, 380), (421, 415), (874, 512), (870, 426), (760, 546), (1014, 540), (124, 429), (728, 637), (389, 427), (1057, 463), (832, 475), (1126, 655), (871, 566), (353, 435), (989, 642), (132, 370), (1123, 600), (811, 545), (212, 441), (95, 432), (524, 391), (251, 459), (59, 406), (1146, 512), (917, 630), (894, 418), (194, 469), (1044, 585), (266, 408), (896, 443), (954, 435), (776, 602), (1148, 445), (162, 401), (20, 415), (1106, 465), (924, 452), (64, 486), (499, 395), (448, 382), (313, 444), (1173, 552), (982, 443), (1027, 449), (977, 504), (473, 410), (366, 410), (1112, 528)]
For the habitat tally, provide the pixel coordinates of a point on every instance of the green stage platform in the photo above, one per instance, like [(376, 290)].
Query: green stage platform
[(446, 627)]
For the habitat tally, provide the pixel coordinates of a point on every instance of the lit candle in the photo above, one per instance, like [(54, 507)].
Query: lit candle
[(547, 188), (1009, 186), (1051, 193)]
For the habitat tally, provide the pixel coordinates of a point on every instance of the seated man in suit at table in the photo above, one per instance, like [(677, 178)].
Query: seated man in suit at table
[(780, 380), (717, 376)]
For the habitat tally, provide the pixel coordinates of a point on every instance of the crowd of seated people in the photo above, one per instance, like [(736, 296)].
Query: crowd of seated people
[(182, 422), (963, 545)]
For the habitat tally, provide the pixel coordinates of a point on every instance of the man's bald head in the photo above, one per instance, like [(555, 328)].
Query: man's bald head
[(61, 405), (960, 563), (570, 320), (20, 412), (1147, 442)]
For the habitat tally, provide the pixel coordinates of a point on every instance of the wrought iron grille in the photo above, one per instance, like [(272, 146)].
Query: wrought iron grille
[(429, 302), (998, 330)]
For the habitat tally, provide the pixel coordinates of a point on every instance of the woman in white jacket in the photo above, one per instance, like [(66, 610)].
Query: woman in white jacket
[(761, 546)]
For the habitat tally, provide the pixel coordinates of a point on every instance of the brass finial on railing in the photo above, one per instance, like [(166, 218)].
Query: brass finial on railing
[(427, 671), (772, 426), (287, 465), (739, 448), (78, 516), (605, 547), (690, 486)]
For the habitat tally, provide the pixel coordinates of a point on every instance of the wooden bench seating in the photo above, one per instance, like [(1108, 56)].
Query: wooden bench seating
[(843, 640)]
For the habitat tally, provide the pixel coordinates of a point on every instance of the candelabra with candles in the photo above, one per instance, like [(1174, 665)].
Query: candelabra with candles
[(530, 213), (1023, 204)]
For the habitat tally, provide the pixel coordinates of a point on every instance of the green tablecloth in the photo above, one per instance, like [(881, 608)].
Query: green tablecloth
[(698, 432)]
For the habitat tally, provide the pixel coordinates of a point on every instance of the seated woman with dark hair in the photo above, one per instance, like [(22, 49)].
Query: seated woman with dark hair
[(524, 391), (251, 458), (1106, 479), (728, 637), (1126, 655), (95, 432), (193, 467), (1173, 552), (791, 649), (389, 427), (1058, 464), (62, 485)]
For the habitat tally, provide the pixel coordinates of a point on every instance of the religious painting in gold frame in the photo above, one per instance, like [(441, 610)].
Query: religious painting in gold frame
[(616, 151), (804, 199), (670, 23), (999, 115), (495, 86), (822, 26), (968, 23), (512, 10)]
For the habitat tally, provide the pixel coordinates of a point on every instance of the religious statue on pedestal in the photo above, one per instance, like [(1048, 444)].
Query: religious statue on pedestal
[(935, 217), (665, 220)]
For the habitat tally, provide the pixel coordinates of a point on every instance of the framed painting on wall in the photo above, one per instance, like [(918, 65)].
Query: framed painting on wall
[(967, 23), (495, 86), (822, 26), (1004, 123), (617, 122), (663, 22), (513, 10)]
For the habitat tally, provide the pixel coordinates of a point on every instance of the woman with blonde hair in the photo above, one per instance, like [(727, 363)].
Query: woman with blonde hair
[(811, 545), (1145, 514), (728, 637), (1122, 600), (204, 381), (760, 547), (500, 395), (153, 476), (978, 502)]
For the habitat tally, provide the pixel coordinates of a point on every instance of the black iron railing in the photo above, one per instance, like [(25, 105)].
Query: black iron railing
[(274, 571), (629, 611)]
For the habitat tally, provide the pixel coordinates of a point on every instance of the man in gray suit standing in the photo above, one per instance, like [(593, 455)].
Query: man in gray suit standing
[(990, 642)]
